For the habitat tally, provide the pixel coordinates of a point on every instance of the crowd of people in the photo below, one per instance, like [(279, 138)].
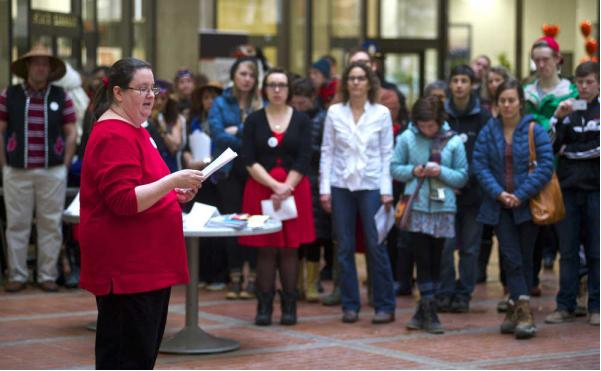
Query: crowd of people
[(340, 146)]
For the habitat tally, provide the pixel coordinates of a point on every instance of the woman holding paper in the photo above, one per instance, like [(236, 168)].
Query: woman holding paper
[(226, 123), (276, 149), (355, 178), (131, 233)]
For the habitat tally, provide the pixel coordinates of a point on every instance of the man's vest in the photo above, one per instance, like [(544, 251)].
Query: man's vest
[(16, 139)]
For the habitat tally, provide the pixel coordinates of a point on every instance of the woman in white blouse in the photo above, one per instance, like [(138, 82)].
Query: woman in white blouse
[(355, 180)]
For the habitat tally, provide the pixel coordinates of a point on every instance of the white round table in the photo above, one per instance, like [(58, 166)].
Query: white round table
[(192, 339)]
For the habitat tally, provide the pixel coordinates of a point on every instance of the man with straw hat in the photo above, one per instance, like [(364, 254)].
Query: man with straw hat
[(37, 142)]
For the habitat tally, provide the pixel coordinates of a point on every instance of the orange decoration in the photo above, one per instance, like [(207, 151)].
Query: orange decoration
[(550, 30), (591, 46), (586, 28)]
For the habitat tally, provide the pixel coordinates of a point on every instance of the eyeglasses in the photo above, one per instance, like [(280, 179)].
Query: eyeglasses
[(146, 91), (276, 86), (357, 78)]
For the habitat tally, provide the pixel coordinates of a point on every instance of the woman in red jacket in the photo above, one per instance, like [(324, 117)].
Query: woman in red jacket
[(132, 243)]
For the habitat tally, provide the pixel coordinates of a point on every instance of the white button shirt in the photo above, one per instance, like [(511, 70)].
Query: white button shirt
[(356, 156)]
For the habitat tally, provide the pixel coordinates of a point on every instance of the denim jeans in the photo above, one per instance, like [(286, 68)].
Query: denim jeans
[(516, 243), (345, 206), (468, 232), (582, 210)]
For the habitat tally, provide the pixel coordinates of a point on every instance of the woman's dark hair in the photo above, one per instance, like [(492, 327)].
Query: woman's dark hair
[(120, 74), (170, 111), (196, 108), (508, 85), (428, 108), (372, 80), (271, 72), (303, 87)]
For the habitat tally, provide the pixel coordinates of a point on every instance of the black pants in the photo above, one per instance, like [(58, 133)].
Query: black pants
[(229, 192), (130, 328)]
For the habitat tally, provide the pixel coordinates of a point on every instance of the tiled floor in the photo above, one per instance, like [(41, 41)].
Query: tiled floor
[(47, 331)]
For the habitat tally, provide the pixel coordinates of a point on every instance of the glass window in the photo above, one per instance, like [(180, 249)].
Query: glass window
[(59, 6), (321, 31), (109, 31), (298, 20), (345, 16), (140, 25), (403, 70), (409, 18), (257, 17)]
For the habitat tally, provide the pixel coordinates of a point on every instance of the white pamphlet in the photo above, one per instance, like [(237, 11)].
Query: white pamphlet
[(199, 216), (200, 145), (227, 156), (73, 208), (384, 222), (286, 211)]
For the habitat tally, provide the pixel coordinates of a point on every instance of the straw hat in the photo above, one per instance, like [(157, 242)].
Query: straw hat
[(57, 66)]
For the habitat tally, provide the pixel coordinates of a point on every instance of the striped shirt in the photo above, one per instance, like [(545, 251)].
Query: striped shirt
[(36, 150)]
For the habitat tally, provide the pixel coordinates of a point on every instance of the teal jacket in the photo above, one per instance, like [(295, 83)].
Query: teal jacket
[(413, 149)]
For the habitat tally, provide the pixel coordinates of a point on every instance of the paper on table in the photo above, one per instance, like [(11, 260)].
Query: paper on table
[(286, 211), (384, 222), (227, 156), (73, 208), (200, 145), (199, 216)]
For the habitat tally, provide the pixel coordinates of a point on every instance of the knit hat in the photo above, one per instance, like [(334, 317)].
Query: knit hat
[(323, 66), (547, 41)]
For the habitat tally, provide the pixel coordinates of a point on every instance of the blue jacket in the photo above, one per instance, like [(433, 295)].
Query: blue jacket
[(224, 113), (412, 148), (489, 167)]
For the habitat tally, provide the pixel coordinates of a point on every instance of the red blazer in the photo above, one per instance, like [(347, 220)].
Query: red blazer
[(123, 251)]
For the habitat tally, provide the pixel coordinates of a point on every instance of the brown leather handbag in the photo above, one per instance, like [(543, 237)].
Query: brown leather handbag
[(402, 210), (547, 206)]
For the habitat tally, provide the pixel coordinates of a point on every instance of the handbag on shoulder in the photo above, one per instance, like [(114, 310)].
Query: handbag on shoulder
[(547, 206), (402, 209)]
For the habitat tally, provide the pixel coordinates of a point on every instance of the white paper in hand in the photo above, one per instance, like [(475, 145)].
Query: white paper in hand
[(287, 210), (200, 145), (199, 216), (227, 156), (73, 208), (384, 222)]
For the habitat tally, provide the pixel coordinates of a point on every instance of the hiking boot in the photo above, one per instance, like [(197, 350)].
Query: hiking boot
[(334, 298), (264, 308), (525, 327), (234, 287), (510, 321), (503, 305), (560, 316), (443, 303), (460, 305), (431, 322), (250, 288), (417, 321)]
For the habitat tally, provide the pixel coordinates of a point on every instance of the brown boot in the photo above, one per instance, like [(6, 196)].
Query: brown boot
[(509, 323), (525, 327)]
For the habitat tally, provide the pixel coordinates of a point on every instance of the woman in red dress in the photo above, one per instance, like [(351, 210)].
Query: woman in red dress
[(276, 149)]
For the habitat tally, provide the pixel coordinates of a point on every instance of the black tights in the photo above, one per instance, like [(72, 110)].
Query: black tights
[(269, 260), (427, 251)]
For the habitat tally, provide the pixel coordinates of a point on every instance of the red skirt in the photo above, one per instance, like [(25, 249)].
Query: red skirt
[(295, 232)]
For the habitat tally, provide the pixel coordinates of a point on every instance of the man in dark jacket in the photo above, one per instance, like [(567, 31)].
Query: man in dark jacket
[(576, 124), (466, 117)]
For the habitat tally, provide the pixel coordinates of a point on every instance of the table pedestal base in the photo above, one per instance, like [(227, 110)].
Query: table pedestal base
[(193, 340)]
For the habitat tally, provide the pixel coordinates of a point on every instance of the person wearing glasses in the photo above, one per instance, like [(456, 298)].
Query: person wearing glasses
[(276, 150), (131, 233), (355, 179)]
